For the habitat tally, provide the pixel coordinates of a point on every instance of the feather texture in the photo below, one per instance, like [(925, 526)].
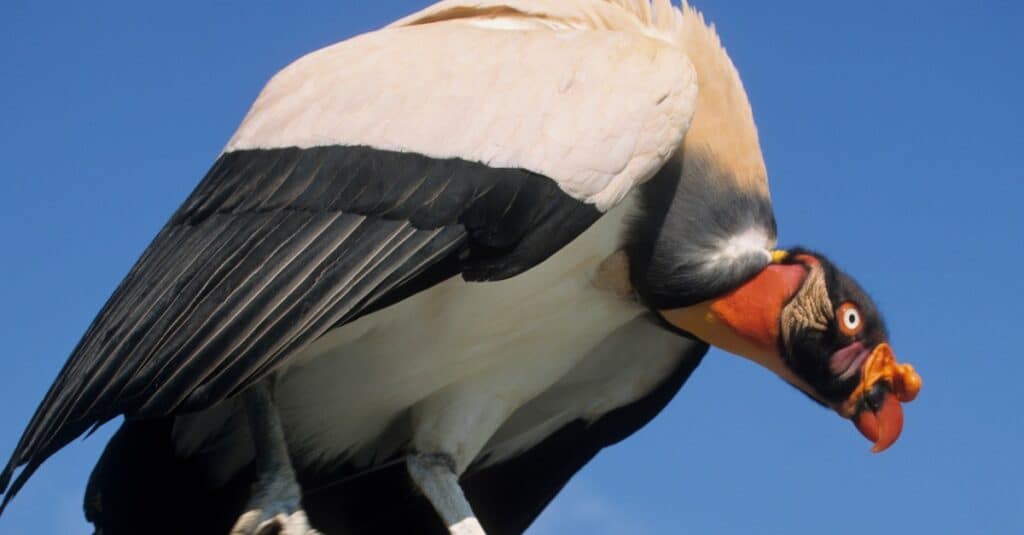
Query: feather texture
[(273, 249), (605, 108)]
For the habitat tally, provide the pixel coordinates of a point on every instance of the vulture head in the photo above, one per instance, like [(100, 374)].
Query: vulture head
[(813, 325)]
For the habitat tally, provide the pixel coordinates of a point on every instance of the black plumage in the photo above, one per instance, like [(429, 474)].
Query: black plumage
[(685, 221), (809, 352), (275, 248)]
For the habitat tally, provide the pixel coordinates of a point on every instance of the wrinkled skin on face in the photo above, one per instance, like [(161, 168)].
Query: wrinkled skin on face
[(833, 337)]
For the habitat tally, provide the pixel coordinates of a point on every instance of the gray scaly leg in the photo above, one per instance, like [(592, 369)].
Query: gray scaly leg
[(435, 476), (275, 506)]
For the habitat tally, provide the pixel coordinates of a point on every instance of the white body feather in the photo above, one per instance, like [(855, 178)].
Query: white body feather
[(596, 111), (467, 369)]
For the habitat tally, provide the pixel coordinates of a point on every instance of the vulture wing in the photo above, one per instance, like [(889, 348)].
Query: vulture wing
[(460, 143)]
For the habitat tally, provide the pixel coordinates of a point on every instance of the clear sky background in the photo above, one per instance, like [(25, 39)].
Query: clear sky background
[(892, 133)]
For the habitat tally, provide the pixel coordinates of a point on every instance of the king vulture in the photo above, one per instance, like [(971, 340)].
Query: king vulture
[(438, 267)]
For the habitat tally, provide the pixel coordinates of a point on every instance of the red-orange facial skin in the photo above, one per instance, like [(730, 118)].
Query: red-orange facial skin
[(745, 321), (753, 310)]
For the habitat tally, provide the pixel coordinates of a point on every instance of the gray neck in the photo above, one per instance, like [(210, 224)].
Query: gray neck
[(697, 236)]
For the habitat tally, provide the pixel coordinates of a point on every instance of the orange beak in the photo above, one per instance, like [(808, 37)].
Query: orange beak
[(881, 425), (876, 403)]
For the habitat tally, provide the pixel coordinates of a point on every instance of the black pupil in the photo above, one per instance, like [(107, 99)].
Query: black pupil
[(852, 318)]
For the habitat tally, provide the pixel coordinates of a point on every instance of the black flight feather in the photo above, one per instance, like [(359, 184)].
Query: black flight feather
[(273, 249)]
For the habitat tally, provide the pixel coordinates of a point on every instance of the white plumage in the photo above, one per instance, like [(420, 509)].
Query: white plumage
[(413, 87)]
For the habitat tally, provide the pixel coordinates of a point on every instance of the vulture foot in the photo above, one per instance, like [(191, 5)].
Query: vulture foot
[(259, 522)]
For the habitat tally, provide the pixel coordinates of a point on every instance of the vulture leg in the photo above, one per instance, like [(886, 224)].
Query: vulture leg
[(435, 476), (275, 505)]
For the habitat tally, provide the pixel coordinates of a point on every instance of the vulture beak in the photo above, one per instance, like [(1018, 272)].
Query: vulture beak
[(875, 406)]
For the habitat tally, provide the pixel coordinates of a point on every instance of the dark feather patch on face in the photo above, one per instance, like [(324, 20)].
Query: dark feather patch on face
[(809, 352)]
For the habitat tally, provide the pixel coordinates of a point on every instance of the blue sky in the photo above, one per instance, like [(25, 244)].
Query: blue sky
[(892, 133)]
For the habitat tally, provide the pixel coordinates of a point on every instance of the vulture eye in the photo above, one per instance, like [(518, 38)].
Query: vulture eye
[(849, 319)]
